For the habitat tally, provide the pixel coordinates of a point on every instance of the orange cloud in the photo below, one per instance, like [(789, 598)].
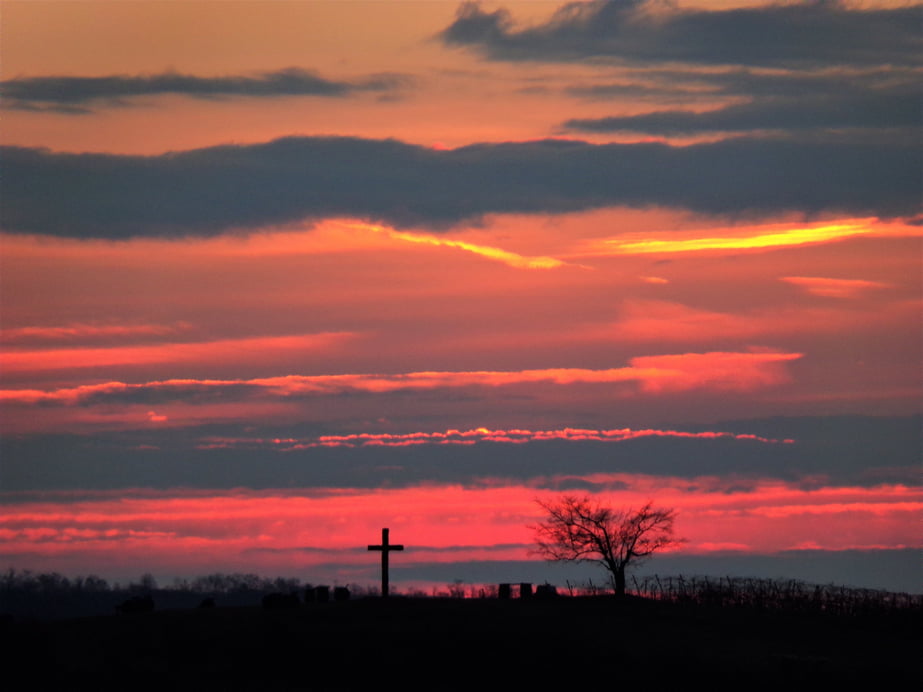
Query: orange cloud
[(660, 321), (833, 288), (740, 372), (720, 371), (210, 351), (656, 320)]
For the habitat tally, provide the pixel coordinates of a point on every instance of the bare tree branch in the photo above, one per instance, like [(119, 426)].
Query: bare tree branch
[(578, 530)]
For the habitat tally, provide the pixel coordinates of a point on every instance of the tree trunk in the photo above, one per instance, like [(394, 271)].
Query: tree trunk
[(619, 578)]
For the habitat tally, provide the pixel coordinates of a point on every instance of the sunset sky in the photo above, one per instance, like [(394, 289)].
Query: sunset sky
[(275, 275)]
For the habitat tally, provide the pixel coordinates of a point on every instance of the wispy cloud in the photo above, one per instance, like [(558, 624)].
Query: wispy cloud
[(471, 437), (754, 241), (493, 253), (168, 352), (721, 371), (78, 333), (78, 95), (790, 101)]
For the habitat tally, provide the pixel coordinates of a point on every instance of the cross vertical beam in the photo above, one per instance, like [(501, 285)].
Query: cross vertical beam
[(385, 548)]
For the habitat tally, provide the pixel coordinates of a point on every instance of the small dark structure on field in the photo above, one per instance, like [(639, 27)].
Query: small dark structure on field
[(281, 601), (136, 604), (505, 591), (546, 591)]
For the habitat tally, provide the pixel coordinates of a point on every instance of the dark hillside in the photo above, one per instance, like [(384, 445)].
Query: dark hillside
[(436, 644)]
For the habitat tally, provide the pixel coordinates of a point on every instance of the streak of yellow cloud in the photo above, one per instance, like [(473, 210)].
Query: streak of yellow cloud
[(743, 239), (510, 258), (794, 236)]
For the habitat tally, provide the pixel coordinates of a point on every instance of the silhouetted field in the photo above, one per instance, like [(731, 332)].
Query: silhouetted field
[(444, 643)]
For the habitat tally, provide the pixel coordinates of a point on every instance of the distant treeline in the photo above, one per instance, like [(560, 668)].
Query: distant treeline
[(53, 595), (26, 581), (24, 593)]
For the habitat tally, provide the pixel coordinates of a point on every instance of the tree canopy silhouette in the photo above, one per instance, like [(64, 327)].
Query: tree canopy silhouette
[(575, 529)]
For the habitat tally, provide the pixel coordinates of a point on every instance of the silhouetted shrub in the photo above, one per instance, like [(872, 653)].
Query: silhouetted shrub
[(774, 595)]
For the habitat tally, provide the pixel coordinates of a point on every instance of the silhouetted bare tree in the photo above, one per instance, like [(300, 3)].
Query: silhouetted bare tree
[(578, 530)]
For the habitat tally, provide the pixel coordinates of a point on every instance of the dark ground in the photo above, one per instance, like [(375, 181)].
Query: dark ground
[(447, 644)]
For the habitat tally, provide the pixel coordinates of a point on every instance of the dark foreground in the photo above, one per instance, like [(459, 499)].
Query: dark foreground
[(434, 644)]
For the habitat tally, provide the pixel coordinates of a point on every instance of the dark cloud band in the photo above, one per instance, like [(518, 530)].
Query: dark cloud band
[(217, 189), (850, 449), (75, 94), (884, 99), (777, 35)]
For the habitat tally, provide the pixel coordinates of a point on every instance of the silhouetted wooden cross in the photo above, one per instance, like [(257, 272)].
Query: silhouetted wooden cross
[(385, 548)]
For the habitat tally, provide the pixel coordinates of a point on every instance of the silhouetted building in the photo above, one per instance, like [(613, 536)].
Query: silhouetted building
[(546, 591)]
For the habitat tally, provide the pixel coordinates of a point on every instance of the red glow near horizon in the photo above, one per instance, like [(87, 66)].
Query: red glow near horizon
[(192, 531)]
